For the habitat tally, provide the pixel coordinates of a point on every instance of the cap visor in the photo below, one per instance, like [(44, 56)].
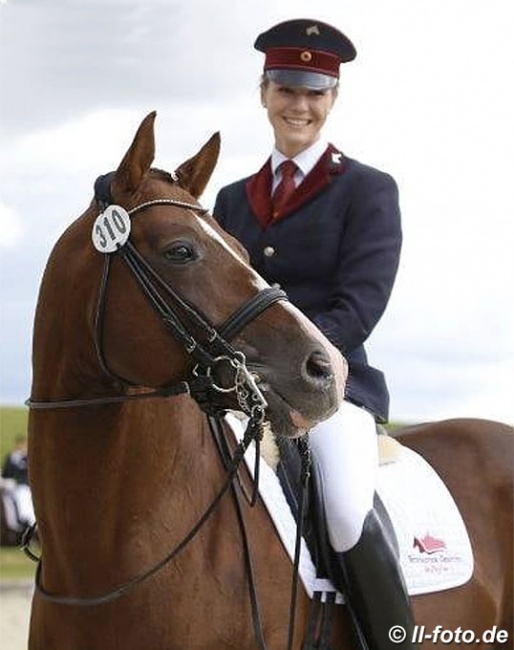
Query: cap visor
[(304, 78)]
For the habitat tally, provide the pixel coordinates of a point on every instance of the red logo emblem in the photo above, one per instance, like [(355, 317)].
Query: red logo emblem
[(429, 544)]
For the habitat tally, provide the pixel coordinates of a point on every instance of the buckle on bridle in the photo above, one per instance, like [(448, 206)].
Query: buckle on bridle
[(244, 384)]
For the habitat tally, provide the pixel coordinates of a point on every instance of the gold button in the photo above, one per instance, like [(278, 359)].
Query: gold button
[(306, 56), (269, 251)]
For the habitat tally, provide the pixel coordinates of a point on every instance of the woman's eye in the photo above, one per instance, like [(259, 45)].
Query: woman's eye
[(180, 253)]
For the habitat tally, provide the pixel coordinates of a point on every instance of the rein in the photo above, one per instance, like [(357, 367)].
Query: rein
[(228, 459), (108, 597)]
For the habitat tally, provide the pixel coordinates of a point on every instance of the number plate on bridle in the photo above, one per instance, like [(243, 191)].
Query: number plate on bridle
[(111, 229)]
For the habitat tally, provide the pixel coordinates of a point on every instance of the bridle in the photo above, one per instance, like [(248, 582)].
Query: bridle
[(208, 348)]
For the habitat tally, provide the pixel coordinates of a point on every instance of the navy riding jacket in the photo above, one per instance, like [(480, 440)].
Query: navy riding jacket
[(334, 249)]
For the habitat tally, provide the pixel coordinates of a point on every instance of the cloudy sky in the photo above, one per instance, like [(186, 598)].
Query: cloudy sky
[(429, 99)]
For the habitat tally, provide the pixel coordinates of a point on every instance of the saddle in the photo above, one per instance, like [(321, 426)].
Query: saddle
[(422, 522)]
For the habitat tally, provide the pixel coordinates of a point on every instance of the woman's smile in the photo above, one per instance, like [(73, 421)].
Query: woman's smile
[(297, 114)]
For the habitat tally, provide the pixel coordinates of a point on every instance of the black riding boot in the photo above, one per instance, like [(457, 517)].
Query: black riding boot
[(374, 584)]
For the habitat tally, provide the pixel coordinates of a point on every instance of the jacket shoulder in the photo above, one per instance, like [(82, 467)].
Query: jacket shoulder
[(234, 187), (367, 172)]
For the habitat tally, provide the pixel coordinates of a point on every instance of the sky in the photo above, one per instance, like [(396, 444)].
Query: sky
[(429, 99)]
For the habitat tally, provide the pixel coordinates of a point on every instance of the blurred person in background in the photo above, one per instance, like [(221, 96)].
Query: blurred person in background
[(16, 483)]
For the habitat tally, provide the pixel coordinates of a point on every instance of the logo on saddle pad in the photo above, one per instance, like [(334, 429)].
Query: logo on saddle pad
[(429, 544)]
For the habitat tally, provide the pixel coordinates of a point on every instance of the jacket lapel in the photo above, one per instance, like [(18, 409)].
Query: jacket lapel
[(258, 192), (258, 187)]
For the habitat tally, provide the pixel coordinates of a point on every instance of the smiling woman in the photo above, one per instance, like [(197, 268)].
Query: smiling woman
[(327, 230)]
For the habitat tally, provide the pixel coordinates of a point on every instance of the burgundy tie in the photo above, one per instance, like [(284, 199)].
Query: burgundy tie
[(285, 188)]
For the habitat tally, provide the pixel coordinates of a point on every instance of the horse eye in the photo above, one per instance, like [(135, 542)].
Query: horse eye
[(180, 253)]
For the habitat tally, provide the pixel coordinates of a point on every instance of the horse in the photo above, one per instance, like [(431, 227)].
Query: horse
[(149, 322)]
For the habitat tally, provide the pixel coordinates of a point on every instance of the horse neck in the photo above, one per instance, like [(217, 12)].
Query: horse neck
[(65, 361), (103, 478)]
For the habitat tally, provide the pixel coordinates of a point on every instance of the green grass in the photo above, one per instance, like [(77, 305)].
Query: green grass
[(14, 564), (13, 422)]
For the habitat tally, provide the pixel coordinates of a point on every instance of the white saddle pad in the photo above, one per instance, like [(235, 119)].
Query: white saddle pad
[(434, 545), (435, 551)]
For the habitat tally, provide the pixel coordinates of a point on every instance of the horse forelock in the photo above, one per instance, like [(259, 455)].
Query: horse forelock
[(157, 174), (162, 175)]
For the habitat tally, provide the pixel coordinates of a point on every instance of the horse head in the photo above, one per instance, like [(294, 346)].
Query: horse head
[(104, 327)]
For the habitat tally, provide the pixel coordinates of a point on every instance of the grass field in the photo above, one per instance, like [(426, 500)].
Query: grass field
[(13, 422), (14, 564)]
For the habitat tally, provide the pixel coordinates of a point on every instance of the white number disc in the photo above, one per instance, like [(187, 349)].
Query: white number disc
[(111, 229)]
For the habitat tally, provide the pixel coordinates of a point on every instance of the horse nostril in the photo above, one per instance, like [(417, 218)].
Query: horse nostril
[(319, 368)]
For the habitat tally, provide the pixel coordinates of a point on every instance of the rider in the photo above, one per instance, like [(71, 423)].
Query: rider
[(327, 230)]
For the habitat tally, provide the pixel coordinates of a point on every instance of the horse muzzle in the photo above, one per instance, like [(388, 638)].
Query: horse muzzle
[(300, 397)]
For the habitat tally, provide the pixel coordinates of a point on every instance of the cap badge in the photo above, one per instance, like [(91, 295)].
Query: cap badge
[(306, 56), (314, 29)]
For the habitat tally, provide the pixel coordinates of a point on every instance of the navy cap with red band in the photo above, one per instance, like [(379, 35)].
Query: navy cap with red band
[(304, 52)]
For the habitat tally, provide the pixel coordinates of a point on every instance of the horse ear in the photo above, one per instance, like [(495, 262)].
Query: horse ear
[(138, 159), (193, 175)]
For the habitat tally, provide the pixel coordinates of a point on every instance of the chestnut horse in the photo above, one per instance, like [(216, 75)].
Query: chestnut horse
[(141, 545)]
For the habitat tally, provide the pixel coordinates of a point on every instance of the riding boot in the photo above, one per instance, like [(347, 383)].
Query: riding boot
[(377, 594)]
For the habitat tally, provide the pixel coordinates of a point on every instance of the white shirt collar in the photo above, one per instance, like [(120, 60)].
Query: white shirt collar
[(305, 160)]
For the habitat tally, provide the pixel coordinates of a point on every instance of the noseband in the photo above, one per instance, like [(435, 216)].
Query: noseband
[(208, 347)]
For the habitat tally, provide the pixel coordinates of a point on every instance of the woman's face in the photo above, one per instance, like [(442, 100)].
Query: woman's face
[(296, 114)]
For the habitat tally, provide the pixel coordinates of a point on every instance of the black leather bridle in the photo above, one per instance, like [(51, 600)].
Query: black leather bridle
[(209, 348)]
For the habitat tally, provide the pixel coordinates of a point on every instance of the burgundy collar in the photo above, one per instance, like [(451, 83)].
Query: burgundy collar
[(258, 186)]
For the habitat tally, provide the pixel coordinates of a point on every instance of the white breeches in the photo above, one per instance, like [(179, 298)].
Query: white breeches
[(344, 449), (23, 499)]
